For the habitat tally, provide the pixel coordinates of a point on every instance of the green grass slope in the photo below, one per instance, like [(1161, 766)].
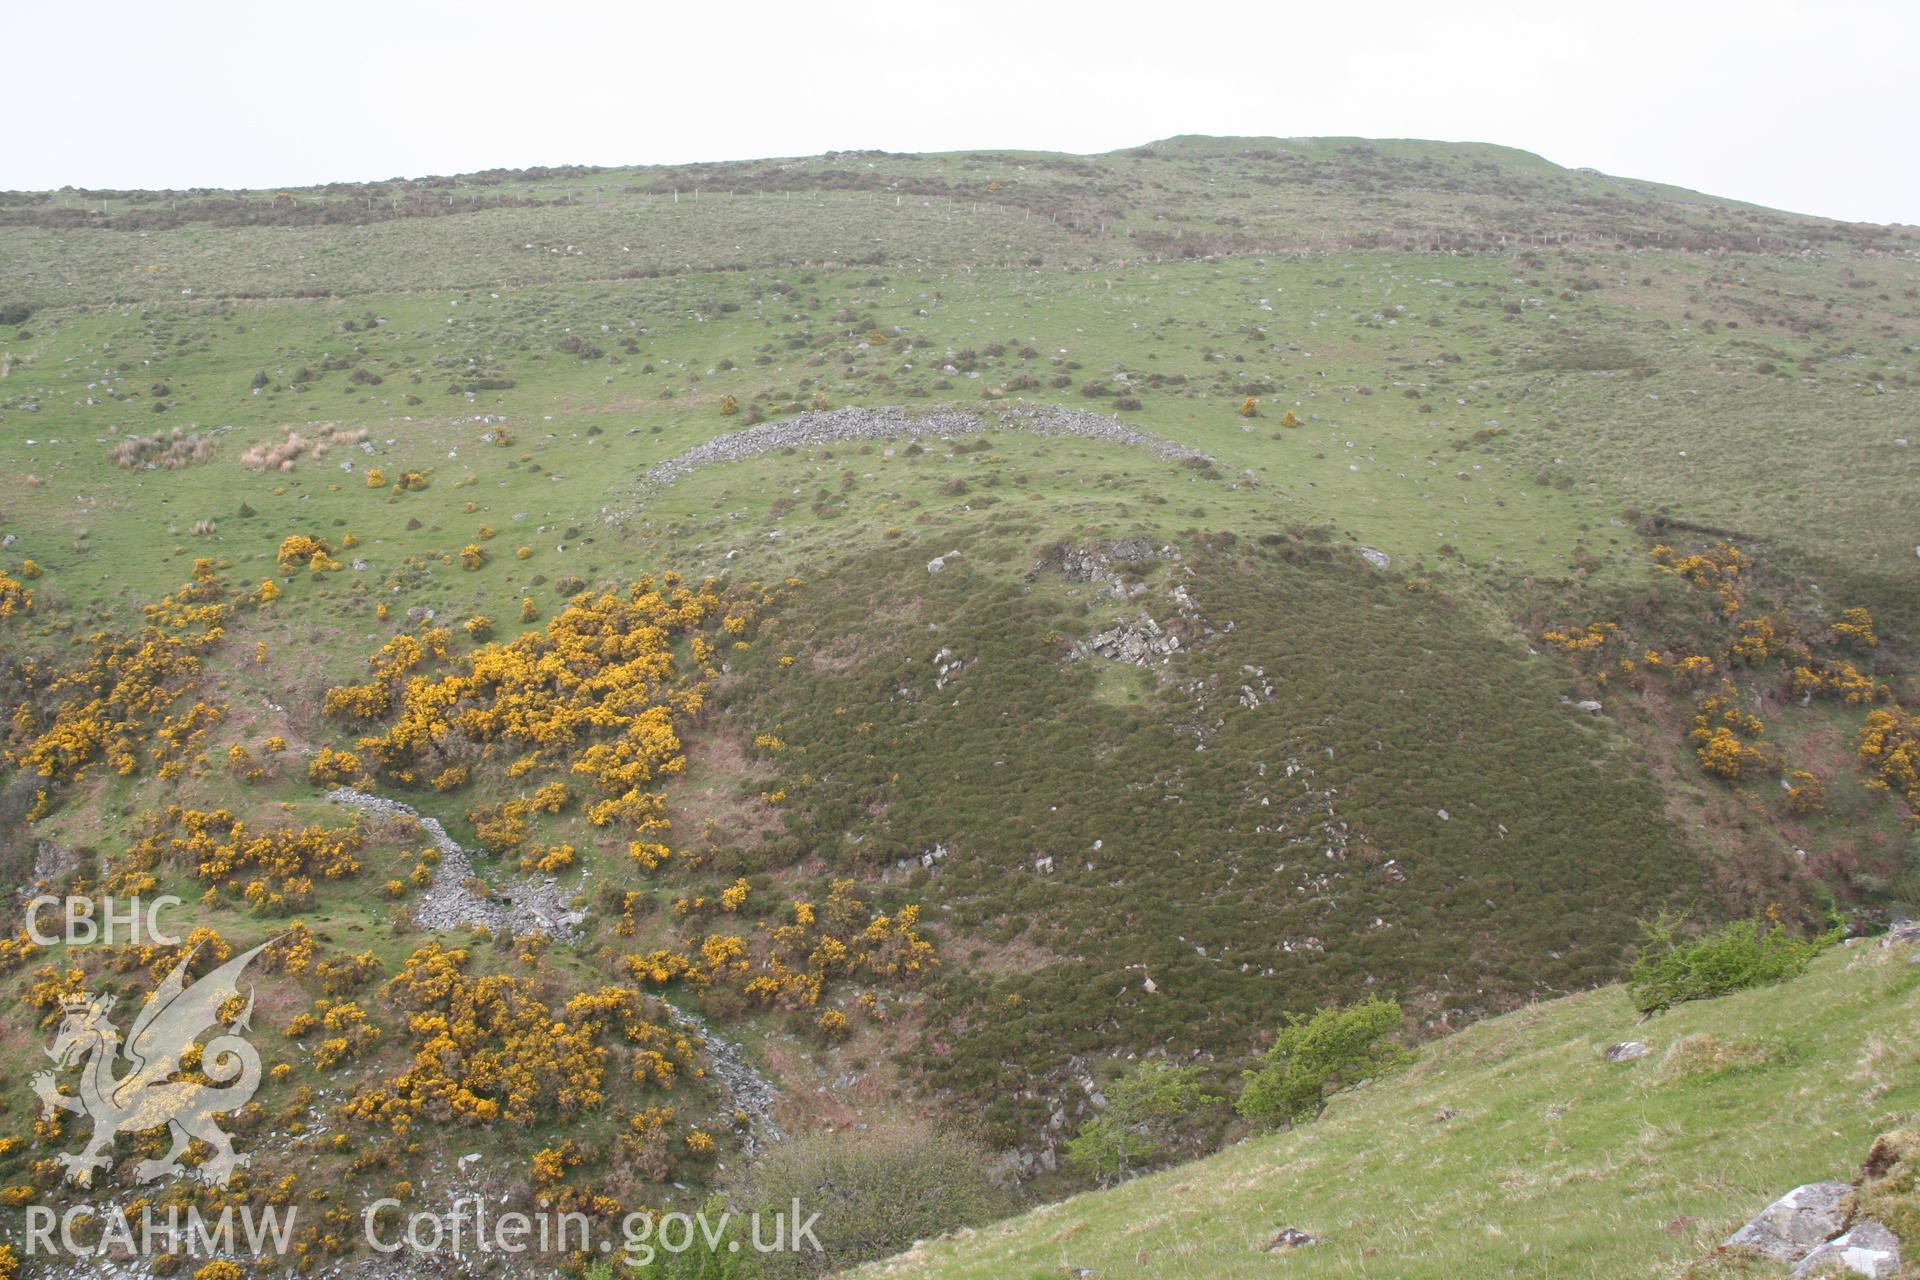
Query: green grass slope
[(1511, 378), (1179, 198), (1553, 1163)]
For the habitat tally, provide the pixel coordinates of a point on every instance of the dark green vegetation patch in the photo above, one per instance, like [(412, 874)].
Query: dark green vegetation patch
[(1406, 803)]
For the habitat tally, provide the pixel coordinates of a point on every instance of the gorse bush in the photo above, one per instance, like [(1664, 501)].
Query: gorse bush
[(1313, 1058), (1746, 953), (112, 704)]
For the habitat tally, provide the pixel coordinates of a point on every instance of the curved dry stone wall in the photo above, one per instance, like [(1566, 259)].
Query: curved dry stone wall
[(891, 422)]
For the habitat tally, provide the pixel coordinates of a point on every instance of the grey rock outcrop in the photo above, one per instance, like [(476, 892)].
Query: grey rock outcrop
[(1869, 1249), (1797, 1223), (1901, 933), (1290, 1238)]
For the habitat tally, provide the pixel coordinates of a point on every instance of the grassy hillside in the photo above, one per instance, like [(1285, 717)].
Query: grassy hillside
[(1453, 559), (1514, 1149), (1180, 198)]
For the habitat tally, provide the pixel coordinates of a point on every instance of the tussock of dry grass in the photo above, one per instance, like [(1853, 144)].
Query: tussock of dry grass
[(280, 455), (1890, 1184), (1704, 1055), (167, 450)]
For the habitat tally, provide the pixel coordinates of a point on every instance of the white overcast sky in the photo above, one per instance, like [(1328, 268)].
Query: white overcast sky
[(1791, 103)]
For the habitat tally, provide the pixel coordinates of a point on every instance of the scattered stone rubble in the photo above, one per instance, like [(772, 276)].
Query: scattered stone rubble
[(891, 422), (1142, 642), (747, 1092), (931, 859), (451, 902), (1098, 563)]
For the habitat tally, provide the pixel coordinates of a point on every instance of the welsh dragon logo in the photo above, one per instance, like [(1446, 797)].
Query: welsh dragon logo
[(156, 1090)]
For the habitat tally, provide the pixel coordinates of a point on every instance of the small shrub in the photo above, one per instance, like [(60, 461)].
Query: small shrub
[(1313, 1058), (1743, 954), (876, 1193), (1151, 1113), (163, 450), (724, 1255)]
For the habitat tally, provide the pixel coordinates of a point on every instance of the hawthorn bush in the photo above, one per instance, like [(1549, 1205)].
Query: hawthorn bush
[(1153, 1112), (1315, 1057), (1671, 970)]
